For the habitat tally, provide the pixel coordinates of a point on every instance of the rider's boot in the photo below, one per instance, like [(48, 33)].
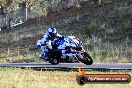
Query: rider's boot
[(44, 56), (41, 56)]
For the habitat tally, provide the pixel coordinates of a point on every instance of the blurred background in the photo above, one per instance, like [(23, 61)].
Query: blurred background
[(104, 26)]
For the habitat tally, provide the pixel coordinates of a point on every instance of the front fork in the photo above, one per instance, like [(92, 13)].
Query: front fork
[(80, 56)]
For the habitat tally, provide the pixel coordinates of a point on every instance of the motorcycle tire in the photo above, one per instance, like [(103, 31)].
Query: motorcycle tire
[(87, 59), (54, 61)]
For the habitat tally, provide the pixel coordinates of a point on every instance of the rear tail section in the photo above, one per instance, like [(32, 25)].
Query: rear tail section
[(36, 40)]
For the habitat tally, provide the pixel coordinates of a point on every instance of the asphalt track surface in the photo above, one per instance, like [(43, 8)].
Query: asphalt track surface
[(124, 66)]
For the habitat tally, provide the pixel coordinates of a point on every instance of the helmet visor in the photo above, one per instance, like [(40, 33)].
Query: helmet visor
[(52, 34)]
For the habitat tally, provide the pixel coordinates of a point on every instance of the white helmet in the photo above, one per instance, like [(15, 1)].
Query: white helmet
[(52, 32)]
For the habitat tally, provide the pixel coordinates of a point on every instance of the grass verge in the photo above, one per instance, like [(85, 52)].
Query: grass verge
[(28, 78), (21, 59)]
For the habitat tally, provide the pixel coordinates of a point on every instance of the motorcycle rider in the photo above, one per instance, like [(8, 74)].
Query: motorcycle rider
[(48, 39), (46, 45)]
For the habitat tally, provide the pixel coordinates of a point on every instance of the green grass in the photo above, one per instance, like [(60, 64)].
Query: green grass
[(21, 59), (28, 78)]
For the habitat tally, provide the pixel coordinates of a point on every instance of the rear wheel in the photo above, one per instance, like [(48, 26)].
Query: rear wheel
[(87, 59), (54, 57), (54, 61)]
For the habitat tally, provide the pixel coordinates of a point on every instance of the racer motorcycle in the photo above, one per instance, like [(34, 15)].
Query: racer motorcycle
[(66, 49)]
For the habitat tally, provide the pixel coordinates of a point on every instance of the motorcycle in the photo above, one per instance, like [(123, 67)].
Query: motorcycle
[(67, 49)]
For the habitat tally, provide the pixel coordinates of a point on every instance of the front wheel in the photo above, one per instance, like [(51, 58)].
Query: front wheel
[(87, 59)]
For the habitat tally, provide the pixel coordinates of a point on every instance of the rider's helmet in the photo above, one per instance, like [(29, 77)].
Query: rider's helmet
[(52, 32)]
